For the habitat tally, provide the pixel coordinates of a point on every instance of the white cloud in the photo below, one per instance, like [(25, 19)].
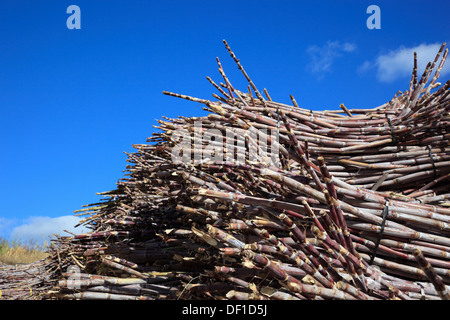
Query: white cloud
[(348, 47), (5, 223), (322, 58), (367, 65), (399, 63), (39, 229)]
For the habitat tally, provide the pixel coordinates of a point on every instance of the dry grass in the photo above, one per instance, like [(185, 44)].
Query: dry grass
[(14, 252)]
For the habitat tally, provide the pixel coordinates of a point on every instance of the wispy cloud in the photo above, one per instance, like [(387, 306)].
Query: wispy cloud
[(398, 63), (39, 229), (323, 57), (5, 224)]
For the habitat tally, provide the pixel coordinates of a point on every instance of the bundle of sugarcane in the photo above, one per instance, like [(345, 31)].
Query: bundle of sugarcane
[(229, 230), (400, 146), (261, 200)]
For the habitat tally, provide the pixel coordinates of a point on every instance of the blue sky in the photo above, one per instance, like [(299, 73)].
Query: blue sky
[(72, 101)]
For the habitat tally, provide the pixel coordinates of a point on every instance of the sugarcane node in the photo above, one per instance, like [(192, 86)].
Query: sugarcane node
[(249, 254)]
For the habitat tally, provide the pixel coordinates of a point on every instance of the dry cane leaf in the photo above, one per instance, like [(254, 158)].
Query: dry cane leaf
[(205, 237), (308, 280)]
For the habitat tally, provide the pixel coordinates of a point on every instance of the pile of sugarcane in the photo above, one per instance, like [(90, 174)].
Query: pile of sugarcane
[(25, 281), (263, 200)]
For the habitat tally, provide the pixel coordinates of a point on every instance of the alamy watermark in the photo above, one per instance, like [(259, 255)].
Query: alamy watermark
[(203, 145), (74, 20), (374, 280), (73, 281), (374, 20)]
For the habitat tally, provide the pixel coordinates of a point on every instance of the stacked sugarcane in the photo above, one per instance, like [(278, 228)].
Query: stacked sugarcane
[(25, 281), (262, 200)]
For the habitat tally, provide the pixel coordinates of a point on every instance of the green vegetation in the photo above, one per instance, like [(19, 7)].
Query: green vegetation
[(13, 252)]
